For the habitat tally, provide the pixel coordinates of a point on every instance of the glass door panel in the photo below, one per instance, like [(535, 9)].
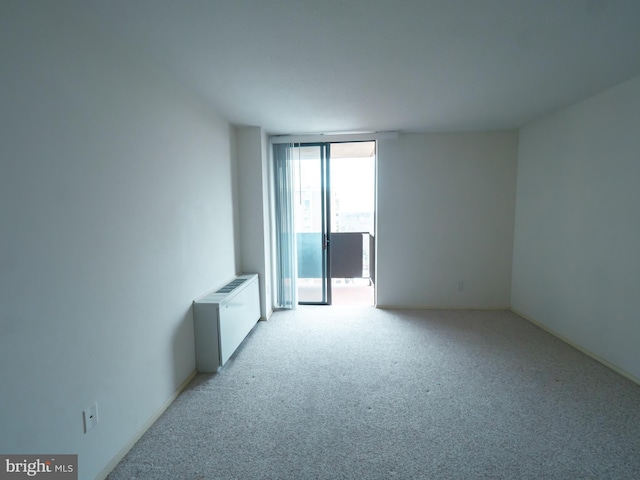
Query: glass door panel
[(311, 211), (352, 223)]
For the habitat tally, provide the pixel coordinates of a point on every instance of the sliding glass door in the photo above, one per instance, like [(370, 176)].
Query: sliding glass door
[(324, 223), (311, 222)]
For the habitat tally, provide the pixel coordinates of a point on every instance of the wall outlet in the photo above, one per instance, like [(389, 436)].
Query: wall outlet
[(90, 417), (459, 285)]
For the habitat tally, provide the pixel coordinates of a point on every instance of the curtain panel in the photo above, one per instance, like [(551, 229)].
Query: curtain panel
[(286, 261)]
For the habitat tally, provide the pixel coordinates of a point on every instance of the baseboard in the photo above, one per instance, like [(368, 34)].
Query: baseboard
[(435, 307), (580, 348), (112, 464)]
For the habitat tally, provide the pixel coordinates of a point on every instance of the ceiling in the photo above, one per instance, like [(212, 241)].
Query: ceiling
[(311, 66)]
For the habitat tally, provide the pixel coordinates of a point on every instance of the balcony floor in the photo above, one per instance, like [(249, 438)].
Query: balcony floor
[(343, 291)]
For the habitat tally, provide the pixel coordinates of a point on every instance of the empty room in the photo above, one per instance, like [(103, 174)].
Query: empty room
[(294, 239)]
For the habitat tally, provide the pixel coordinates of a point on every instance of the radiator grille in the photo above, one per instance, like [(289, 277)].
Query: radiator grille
[(229, 287)]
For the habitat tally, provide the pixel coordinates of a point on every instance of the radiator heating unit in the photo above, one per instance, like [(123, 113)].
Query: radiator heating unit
[(222, 319)]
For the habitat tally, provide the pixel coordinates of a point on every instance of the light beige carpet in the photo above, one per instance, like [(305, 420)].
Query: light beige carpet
[(361, 393)]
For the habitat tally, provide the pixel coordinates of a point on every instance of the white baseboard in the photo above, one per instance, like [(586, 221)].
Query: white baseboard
[(436, 307), (580, 348), (112, 464)]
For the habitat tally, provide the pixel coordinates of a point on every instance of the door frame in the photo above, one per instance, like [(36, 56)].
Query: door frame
[(325, 191)]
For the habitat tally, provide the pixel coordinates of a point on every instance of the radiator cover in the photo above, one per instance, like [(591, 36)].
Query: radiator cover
[(222, 319)]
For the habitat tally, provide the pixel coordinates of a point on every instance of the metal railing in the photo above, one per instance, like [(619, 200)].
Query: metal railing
[(352, 255)]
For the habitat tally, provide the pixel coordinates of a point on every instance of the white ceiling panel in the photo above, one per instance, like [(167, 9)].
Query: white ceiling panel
[(299, 66)]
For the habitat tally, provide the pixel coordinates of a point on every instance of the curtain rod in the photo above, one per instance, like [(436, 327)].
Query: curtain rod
[(333, 137)]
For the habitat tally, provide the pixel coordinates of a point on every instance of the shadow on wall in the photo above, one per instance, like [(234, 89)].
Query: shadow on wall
[(183, 348)]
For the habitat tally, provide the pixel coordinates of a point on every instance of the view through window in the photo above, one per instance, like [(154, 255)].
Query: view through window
[(341, 203)]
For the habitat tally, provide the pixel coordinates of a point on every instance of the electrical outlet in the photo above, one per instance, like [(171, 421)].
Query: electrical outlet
[(90, 417), (459, 285)]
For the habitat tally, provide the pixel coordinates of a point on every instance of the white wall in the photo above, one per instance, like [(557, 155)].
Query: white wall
[(445, 214), (577, 229), (115, 194), (253, 209)]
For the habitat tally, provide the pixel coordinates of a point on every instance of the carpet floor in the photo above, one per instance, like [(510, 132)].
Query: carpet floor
[(363, 393)]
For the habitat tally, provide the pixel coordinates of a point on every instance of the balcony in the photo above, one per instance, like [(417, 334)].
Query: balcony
[(352, 267)]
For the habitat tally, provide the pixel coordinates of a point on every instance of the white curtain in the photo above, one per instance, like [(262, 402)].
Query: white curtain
[(286, 260)]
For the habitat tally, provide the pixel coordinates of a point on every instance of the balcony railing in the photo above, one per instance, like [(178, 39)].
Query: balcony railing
[(352, 255)]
